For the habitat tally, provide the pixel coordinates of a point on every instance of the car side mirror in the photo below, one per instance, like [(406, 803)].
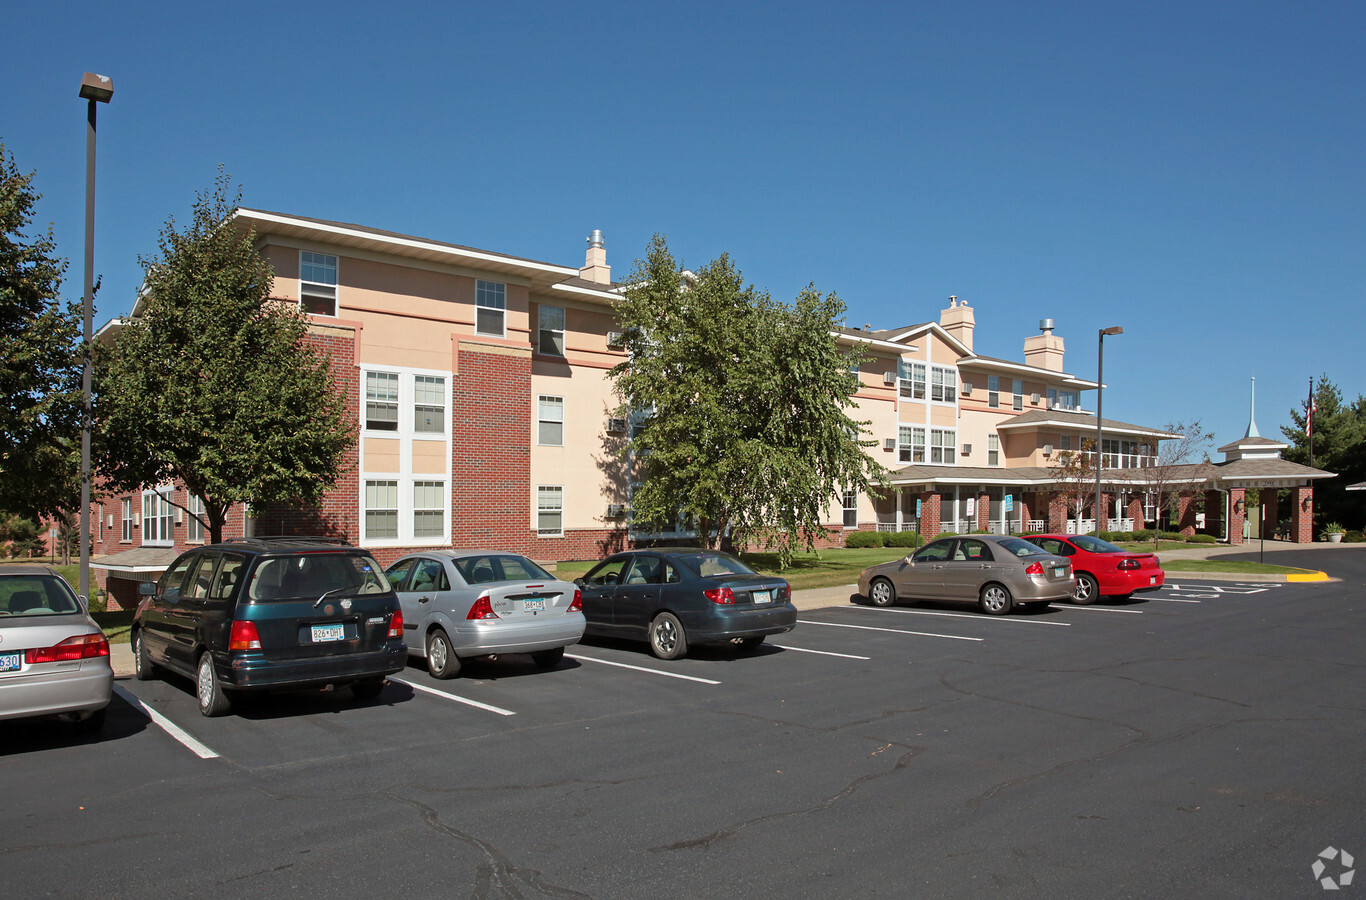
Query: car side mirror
[(147, 589)]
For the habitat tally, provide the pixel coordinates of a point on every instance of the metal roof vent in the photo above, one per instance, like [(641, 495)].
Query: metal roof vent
[(595, 239), (1046, 326)]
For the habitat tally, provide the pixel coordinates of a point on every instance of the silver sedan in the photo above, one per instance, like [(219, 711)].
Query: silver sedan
[(996, 572), (459, 604), (54, 659)]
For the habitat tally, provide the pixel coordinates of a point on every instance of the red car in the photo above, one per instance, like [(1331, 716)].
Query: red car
[(1102, 569)]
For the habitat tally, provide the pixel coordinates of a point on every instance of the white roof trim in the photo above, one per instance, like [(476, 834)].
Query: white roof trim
[(602, 293), (1087, 426), (873, 342)]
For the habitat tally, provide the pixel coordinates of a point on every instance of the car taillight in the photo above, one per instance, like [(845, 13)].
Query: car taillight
[(82, 646), (396, 625), (1034, 569), (787, 592), (1130, 564), (244, 636), (577, 605), (481, 609), (723, 596)]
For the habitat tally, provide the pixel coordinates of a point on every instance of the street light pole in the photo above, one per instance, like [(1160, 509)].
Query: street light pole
[(95, 89), (1100, 392)]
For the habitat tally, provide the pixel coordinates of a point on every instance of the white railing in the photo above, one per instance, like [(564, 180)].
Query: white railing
[(1035, 525)]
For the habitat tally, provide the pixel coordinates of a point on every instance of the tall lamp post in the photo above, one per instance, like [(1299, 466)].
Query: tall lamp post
[(1100, 391), (95, 89)]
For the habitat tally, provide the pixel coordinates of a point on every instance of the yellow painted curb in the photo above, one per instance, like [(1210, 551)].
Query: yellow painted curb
[(1309, 576)]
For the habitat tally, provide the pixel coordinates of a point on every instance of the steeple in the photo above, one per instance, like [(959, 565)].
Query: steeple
[(1252, 414)]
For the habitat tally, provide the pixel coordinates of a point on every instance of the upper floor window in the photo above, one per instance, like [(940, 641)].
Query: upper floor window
[(550, 421), (943, 384), (912, 378), (491, 303), (429, 404), (993, 391), (194, 528), (126, 511), (993, 450), (1059, 399), (911, 444), (550, 327), (317, 283), (157, 518), (943, 445), (381, 401), (1017, 389)]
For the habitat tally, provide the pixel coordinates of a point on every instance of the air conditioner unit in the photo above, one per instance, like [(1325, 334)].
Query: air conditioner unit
[(889, 378), (967, 389), (110, 520), (1047, 449), (137, 519), (967, 449), (616, 510), (889, 443), (616, 425), (616, 339), (1034, 398)]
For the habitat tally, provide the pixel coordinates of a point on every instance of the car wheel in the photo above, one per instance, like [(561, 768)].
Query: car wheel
[(91, 723), (750, 643), (1087, 590), (548, 659), (143, 668), (667, 640), (995, 600), (367, 690), (213, 701), (881, 592), (441, 659)]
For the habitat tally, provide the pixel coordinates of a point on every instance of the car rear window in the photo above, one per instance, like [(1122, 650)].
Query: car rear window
[(490, 568), (313, 574), (1095, 544), (36, 595), (714, 565), (1021, 547)]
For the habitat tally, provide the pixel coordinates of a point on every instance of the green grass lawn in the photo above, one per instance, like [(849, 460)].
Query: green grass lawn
[(1228, 565)]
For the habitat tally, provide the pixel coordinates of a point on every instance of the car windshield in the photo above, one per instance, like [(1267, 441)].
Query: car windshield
[(36, 595), (1021, 548), (311, 575), (490, 568), (1095, 544), (716, 565)]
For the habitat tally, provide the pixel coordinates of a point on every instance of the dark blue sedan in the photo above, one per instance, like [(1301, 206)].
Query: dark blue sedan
[(680, 596)]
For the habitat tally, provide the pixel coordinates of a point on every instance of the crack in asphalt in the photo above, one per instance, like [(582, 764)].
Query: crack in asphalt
[(73, 845), (706, 841)]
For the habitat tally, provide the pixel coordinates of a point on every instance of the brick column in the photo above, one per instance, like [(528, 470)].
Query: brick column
[(929, 514), (1214, 513), (1136, 511), (1103, 514), (1302, 515), (1057, 514), (1236, 497), (1185, 513), (983, 510), (1271, 511)]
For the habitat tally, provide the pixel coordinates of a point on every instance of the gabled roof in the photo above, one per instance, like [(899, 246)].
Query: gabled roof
[(1247, 442), (1037, 418), (898, 336)]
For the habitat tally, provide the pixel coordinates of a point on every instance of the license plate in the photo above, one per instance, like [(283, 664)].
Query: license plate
[(533, 605), (763, 596), (324, 633), (1059, 573), (1152, 579), (10, 662)]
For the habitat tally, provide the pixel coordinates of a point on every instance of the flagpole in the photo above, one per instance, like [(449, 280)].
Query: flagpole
[(1309, 421)]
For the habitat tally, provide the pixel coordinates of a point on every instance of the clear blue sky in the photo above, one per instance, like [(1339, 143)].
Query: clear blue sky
[(1192, 171)]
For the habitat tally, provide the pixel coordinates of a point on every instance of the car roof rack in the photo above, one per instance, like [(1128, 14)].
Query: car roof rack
[(272, 539)]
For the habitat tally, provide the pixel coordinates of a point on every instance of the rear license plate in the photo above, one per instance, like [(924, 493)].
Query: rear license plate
[(1152, 579), (10, 662), (1059, 573), (324, 633), (763, 596), (533, 605)]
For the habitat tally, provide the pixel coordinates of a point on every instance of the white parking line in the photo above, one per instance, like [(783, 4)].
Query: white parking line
[(418, 687), (166, 724), (977, 617), (952, 637), (640, 669), (1131, 612), (1173, 600), (821, 652)]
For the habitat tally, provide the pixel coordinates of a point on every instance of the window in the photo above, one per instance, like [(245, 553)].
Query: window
[(194, 529), (381, 401), (911, 444), (993, 450), (1059, 399), (1065, 442), (317, 283), (429, 404), (429, 509), (381, 509), (157, 518), (851, 509), (549, 510), (1017, 388), (943, 384), (943, 445), (912, 377), (491, 303), (550, 421), (993, 391), (550, 326), (126, 512)]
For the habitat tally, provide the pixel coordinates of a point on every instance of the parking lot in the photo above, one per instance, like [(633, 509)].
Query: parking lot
[(1202, 740)]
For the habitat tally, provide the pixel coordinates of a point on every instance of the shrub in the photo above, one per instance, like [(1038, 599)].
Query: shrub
[(864, 539), (1171, 536), (981, 531), (1142, 534), (903, 539), (1202, 539), (1353, 537), (945, 534)]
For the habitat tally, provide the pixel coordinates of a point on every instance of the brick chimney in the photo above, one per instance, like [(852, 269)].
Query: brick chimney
[(958, 321), (1044, 350), (595, 266)]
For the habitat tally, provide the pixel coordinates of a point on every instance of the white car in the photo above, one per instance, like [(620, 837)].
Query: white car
[(460, 604), (54, 659)]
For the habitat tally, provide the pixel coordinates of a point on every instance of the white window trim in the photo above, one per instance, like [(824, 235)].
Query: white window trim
[(909, 447), (126, 520), (993, 450), (318, 288), (504, 309), (846, 508), (166, 518), (536, 511), (193, 525), (949, 383), (931, 446), (540, 346), (540, 442)]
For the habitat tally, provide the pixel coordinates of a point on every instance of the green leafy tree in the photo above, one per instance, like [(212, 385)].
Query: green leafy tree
[(1339, 433), (742, 406), (212, 384), (40, 365)]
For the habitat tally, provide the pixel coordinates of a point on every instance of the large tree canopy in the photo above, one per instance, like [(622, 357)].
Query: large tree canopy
[(40, 367), (741, 406), (1339, 441), (212, 384)]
